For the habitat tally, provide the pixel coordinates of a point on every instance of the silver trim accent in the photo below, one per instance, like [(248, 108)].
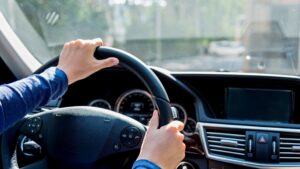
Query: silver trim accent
[(174, 112), (228, 148), (226, 134), (218, 142), (22, 147), (227, 152), (178, 106), (250, 146), (289, 139), (274, 147), (100, 100), (282, 165), (227, 142), (295, 148), (226, 138)]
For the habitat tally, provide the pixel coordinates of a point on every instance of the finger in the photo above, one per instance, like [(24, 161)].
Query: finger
[(176, 124), (101, 64), (154, 122), (180, 137)]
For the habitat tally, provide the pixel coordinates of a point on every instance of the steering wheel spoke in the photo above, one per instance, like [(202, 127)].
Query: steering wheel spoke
[(82, 135)]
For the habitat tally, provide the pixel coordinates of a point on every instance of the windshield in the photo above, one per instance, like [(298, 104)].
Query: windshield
[(179, 35)]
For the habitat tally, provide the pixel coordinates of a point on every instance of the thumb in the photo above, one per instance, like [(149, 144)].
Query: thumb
[(107, 62), (154, 122)]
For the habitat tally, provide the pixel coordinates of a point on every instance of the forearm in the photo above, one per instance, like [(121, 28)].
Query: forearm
[(23, 96), (144, 164)]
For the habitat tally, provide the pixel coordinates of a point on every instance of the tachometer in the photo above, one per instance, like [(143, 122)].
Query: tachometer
[(137, 104), (100, 103)]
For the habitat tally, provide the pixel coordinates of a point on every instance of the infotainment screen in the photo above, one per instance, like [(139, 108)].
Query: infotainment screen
[(259, 104)]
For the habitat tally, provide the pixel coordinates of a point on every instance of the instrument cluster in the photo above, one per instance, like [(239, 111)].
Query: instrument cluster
[(139, 105)]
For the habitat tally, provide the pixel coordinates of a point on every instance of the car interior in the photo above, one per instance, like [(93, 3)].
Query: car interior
[(237, 92)]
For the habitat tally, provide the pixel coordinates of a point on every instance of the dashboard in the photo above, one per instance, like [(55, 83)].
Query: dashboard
[(231, 120)]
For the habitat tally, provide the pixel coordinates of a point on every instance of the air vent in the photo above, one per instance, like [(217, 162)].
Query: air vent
[(228, 143), (289, 148)]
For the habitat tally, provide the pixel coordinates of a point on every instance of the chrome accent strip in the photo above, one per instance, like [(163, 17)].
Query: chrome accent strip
[(289, 153), (283, 165), (225, 134), (228, 148), (227, 152), (295, 148), (289, 139), (290, 144), (219, 142), (225, 138), (290, 158), (286, 148), (231, 143)]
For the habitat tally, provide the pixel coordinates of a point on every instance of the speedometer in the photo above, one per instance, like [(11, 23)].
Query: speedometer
[(137, 104)]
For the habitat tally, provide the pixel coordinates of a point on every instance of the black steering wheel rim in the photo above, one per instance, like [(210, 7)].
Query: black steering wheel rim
[(141, 70), (128, 61)]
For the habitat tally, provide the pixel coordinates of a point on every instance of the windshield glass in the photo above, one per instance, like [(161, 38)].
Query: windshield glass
[(179, 35)]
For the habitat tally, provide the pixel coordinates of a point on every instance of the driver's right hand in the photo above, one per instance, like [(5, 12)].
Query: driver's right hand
[(163, 146)]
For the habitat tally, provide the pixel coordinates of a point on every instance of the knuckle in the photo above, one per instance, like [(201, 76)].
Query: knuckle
[(66, 45), (171, 129), (78, 43)]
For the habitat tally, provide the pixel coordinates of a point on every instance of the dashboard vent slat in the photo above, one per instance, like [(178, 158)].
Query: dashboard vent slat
[(289, 147), (226, 143)]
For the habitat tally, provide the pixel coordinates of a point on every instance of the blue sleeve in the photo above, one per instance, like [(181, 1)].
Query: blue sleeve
[(144, 164), (23, 96)]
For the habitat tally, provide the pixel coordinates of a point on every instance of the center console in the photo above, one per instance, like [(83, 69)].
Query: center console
[(256, 129)]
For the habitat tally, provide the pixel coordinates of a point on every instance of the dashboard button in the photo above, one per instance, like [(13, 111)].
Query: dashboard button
[(262, 139)]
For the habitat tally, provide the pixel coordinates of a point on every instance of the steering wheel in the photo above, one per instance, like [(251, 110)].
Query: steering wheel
[(83, 137)]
